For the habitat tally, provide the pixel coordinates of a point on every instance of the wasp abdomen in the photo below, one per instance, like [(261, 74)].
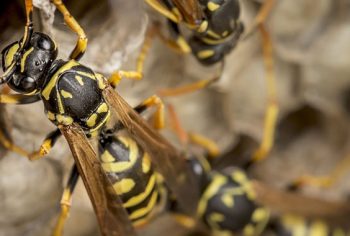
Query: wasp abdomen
[(130, 171)]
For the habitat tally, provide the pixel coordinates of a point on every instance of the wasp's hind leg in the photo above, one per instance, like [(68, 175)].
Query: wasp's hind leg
[(325, 181), (81, 44), (271, 113), (66, 201), (185, 137)]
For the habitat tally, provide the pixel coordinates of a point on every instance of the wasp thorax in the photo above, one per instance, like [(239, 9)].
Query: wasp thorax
[(31, 63)]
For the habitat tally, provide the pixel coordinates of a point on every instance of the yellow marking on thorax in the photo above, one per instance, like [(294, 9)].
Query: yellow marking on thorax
[(80, 80), (142, 196), (143, 211), (91, 122), (211, 190), (212, 6), (66, 94), (65, 120), (101, 123), (213, 34), (260, 214), (183, 45), (203, 27), (216, 217), (102, 108), (52, 83), (51, 116), (86, 74), (101, 81), (124, 186), (24, 58), (294, 224), (121, 166), (146, 163), (318, 228), (249, 230), (228, 200), (10, 54), (205, 54)]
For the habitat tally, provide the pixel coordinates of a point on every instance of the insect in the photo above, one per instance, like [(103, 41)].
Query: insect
[(231, 203), (130, 171), (297, 225), (79, 102), (215, 29)]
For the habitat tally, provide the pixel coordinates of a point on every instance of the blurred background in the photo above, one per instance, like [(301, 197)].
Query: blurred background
[(312, 63)]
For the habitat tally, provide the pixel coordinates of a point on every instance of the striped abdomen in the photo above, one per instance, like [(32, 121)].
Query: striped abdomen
[(130, 171)]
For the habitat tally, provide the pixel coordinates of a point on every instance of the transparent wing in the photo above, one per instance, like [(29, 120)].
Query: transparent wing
[(111, 215), (337, 213), (166, 159)]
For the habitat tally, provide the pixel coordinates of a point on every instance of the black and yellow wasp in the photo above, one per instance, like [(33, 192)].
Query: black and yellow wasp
[(233, 204), (129, 169), (215, 29), (79, 102)]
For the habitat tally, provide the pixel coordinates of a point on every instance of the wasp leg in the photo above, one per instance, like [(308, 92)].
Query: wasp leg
[(190, 88), (28, 30), (172, 15), (185, 137), (184, 220), (5, 141), (271, 112), (81, 44), (158, 115), (261, 17), (46, 146), (18, 98), (323, 181), (66, 201)]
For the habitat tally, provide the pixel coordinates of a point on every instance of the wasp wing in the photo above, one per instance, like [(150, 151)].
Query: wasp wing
[(190, 10), (111, 216), (280, 202), (166, 159)]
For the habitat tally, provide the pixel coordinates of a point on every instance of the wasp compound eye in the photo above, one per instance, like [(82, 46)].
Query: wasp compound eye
[(28, 84), (45, 43)]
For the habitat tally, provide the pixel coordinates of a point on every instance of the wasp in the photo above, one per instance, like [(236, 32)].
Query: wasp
[(80, 102), (129, 168), (215, 29), (290, 224), (231, 203)]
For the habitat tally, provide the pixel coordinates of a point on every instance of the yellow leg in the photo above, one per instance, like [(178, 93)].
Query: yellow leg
[(10, 146), (18, 98), (66, 202), (163, 10), (190, 88), (158, 115), (81, 45), (185, 137), (28, 30), (184, 220), (324, 181), (260, 17), (271, 112), (46, 146), (206, 143)]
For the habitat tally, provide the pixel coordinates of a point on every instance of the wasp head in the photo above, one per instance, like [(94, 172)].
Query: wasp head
[(25, 66)]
